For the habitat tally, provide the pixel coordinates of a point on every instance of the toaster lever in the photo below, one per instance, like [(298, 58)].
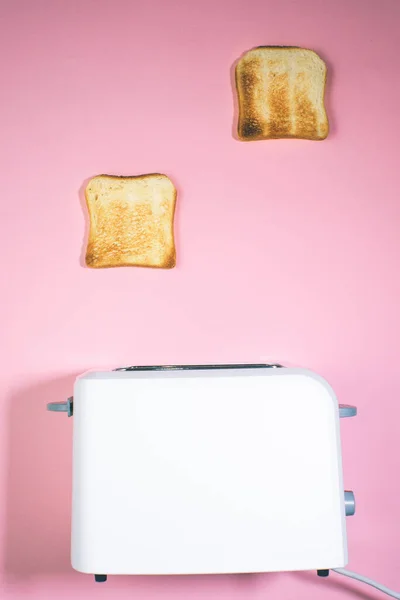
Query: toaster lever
[(346, 410), (67, 406), (349, 503)]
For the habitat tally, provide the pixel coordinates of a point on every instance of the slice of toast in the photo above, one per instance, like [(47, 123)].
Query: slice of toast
[(281, 94), (131, 221)]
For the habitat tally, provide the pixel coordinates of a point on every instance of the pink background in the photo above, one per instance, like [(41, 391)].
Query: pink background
[(287, 250)]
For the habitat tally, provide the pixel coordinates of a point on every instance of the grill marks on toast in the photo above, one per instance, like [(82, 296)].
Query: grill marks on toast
[(279, 105), (281, 94), (249, 81)]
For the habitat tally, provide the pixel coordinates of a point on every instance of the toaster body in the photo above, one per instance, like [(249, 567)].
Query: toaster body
[(195, 470)]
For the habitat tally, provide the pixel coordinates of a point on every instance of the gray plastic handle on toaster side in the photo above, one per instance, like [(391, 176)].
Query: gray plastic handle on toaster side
[(67, 407), (346, 410)]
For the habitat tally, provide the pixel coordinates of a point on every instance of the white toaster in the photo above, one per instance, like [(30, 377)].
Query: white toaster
[(199, 469)]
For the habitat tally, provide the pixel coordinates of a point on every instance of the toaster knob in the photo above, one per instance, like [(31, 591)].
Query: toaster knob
[(349, 503)]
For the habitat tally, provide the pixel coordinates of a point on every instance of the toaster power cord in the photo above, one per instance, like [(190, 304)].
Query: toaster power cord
[(368, 581)]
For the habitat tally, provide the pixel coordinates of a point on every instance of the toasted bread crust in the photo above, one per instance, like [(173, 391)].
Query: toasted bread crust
[(281, 94), (131, 221)]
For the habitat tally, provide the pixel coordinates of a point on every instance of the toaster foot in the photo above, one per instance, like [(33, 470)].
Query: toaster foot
[(100, 578), (323, 572)]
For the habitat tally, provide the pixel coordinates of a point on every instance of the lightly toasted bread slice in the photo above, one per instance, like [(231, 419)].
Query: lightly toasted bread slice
[(281, 94), (131, 221)]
